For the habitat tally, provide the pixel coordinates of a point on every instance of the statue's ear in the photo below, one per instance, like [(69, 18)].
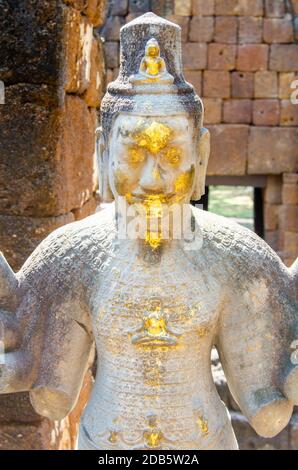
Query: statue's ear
[(203, 151), (102, 160)]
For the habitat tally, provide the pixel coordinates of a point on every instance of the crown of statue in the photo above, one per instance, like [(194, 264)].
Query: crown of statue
[(150, 79)]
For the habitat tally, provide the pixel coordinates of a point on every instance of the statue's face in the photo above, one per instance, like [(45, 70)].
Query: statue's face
[(152, 50), (153, 157)]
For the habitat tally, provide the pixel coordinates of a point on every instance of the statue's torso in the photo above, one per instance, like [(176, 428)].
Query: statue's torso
[(154, 325)]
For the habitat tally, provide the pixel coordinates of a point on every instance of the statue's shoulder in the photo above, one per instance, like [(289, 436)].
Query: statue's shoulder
[(68, 250), (239, 248)]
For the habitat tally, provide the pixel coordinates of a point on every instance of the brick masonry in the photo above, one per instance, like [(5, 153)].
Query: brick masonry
[(53, 85), (241, 57)]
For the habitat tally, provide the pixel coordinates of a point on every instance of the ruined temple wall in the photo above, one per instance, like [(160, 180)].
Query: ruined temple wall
[(52, 67), (241, 57)]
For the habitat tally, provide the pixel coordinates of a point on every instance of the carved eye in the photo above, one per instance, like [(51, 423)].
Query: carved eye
[(172, 156), (135, 155)]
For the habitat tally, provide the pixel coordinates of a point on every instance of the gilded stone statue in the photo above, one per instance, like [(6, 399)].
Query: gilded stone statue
[(156, 303)]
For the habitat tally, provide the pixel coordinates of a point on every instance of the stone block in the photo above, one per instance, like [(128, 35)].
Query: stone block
[(271, 237), (239, 7), (17, 408), (195, 78), (274, 8), (78, 36), (250, 30), (242, 84), (290, 243), (203, 7), (283, 57), (111, 28), (94, 92), (252, 57), (201, 29), (119, 7), (288, 218), (272, 192), (278, 30), (271, 216), (30, 51), (194, 56), (272, 150), (285, 81), (182, 7), (183, 22), (225, 30), (212, 110), (95, 11), (266, 112), (228, 150), (138, 6), (111, 51), (237, 111), (288, 114), (216, 84), (290, 194), (266, 84), (221, 56)]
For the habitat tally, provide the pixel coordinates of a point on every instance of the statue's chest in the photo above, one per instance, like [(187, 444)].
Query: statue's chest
[(153, 305)]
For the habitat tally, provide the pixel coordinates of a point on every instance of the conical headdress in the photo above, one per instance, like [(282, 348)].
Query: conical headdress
[(150, 80)]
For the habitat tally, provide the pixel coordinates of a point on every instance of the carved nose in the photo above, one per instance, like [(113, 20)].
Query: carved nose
[(151, 180)]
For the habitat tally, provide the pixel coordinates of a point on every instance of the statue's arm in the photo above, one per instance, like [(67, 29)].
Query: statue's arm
[(46, 327), (257, 327)]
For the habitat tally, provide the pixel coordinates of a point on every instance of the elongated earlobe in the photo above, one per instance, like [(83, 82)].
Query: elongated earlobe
[(102, 159), (203, 151)]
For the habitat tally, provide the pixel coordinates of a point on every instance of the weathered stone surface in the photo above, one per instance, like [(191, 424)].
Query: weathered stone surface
[(272, 193), (250, 30), (252, 57), (278, 30), (94, 92), (237, 111), (95, 11), (182, 7), (195, 78), (242, 84), (18, 409), (266, 84), (288, 113), (201, 28), (138, 6), (194, 56), (225, 31), (266, 112), (88, 208), (30, 52), (183, 22), (212, 110), (37, 436), (111, 28), (203, 7), (119, 7), (78, 45), (290, 194), (274, 8), (60, 142), (272, 150), (19, 236), (239, 7), (285, 81), (111, 50), (221, 56), (288, 218), (271, 216), (283, 57), (228, 150), (216, 84)]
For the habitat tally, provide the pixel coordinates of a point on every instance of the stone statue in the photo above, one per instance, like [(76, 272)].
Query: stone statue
[(154, 304)]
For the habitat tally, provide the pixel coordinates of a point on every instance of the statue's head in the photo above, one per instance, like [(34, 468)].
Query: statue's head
[(152, 48), (152, 143)]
